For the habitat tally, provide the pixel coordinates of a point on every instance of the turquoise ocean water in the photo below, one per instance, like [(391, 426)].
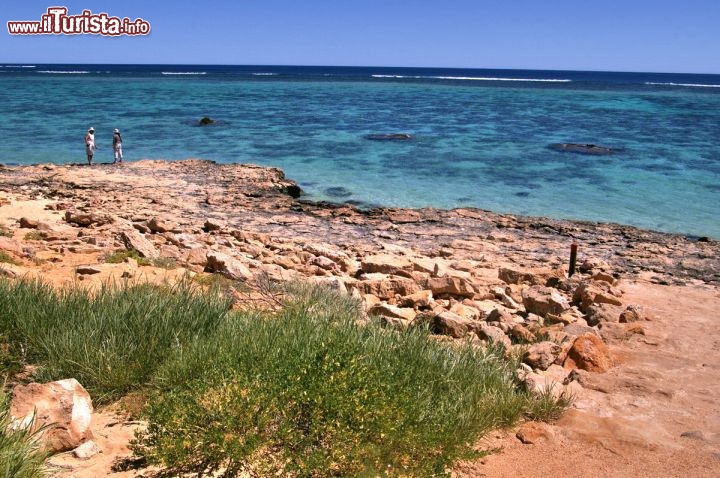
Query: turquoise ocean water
[(480, 137)]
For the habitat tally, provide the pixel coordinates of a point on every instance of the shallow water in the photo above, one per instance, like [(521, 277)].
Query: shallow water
[(478, 142)]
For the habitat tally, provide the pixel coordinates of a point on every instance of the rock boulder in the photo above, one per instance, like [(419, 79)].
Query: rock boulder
[(542, 301), (446, 323), (386, 288), (589, 293), (590, 353), (133, 240), (63, 405), (385, 264), (227, 266), (542, 355), (160, 225), (451, 286), (633, 313)]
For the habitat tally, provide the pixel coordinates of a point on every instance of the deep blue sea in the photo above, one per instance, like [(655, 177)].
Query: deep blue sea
[(480, 137)]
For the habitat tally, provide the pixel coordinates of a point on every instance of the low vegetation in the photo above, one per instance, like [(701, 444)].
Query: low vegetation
[(35, 236), (20, 453), (165, 263), (111, 341), (118, 257), (7, 258), (309, 390)]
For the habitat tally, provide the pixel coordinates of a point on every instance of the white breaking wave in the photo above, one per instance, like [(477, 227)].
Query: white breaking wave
[(692, 85), (19, 66), (473, 78), (54, 72), (184, 72), (542, 80), (264, 74), (396, 76)]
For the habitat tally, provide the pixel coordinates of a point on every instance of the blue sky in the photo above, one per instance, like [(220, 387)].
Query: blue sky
[(615, 35)]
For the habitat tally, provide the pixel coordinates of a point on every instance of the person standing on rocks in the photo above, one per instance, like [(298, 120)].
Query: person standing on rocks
[(117, 146), (90, 144)]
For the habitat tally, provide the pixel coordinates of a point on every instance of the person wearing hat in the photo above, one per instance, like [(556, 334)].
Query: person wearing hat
[(117, 146), (90, 144)]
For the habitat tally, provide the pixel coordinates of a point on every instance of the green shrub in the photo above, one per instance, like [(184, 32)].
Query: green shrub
[(219, 282), (7, 258), (310, 393), (118, 257), (112, 340), (20, 453), (546, 407), (35, 236), (164, 263)]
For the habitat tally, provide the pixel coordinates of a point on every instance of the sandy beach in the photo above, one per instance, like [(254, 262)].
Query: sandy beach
[(654, 412)]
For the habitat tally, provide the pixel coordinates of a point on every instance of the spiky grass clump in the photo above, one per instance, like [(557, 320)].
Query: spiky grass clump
[(112, 340), (20, 452)]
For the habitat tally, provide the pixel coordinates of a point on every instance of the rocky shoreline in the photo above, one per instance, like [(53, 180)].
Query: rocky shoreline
[(468, 273), (186, 194)]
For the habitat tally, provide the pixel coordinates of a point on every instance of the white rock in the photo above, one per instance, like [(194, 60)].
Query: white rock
[(87, 450), (64, 403)]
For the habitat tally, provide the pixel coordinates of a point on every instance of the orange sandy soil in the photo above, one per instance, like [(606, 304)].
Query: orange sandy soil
[(655, 414)]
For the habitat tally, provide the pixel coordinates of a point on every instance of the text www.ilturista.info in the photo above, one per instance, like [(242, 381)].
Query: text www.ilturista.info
[(57, 22)]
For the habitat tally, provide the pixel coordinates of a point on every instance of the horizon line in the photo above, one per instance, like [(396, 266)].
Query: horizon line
[(364, 66)]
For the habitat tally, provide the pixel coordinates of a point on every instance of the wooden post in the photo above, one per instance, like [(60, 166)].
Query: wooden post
[(573, 259)]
